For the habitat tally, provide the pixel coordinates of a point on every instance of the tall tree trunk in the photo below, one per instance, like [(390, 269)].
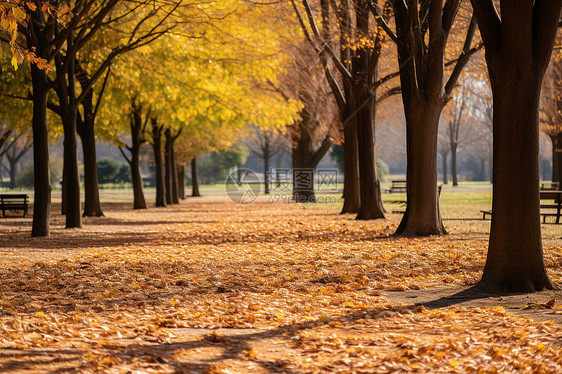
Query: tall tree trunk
[(72, 178), (86, 131), (371, 203), (68, 112), (194, 181), (351, 195), (454, 165), (181, 182), (364, 64), (137, 138), (171, 173), (303, 172), (168, 169), (422, 216), (444, 166), (64, 189), (138, 195), (92, 204), (41, 182), (157, 149), (515, 257), (175, 181), (516, 46)]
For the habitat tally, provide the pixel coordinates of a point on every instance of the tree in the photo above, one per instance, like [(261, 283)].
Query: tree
[(108, 169), (138, 119), (454, 122), (422, 32), (518, 43), (306, 157), (57, 32), (46, 28), (310, 135), (17, 149), (444, 148), (194, 179), (265, 144), (142, 32), (360, 46), (156, 143), (171, 174)]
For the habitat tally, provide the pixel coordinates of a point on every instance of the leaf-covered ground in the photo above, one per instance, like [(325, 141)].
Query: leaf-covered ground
[(210, 286)]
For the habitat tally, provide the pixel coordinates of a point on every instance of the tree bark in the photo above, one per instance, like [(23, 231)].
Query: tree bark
[(68, 111), (168, 168), (422, 216), (171, 170), (371, 206), (157, 149), (181, 182), (138, 195), (41, 182), (92, 204), (424, 93), (71, 177), (85, 128), (137, 133), (175, 181), (194, 181), (517, 45), (351, 195), (364, 65), (515, 258)]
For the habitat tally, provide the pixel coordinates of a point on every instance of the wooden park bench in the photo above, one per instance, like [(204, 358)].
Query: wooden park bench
[(551, 205), (14, 202), (551, 201), (403, 202), (398, 187)]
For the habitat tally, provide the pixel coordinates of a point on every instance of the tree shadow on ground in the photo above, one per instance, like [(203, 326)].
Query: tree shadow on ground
[(189, 356), (523, 304)]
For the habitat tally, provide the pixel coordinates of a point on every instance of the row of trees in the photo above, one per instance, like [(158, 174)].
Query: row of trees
[(434, 42), (170, 74)]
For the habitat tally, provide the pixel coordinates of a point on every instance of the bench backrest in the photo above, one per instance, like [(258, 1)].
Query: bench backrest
[(14, 197), (551, 195)]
